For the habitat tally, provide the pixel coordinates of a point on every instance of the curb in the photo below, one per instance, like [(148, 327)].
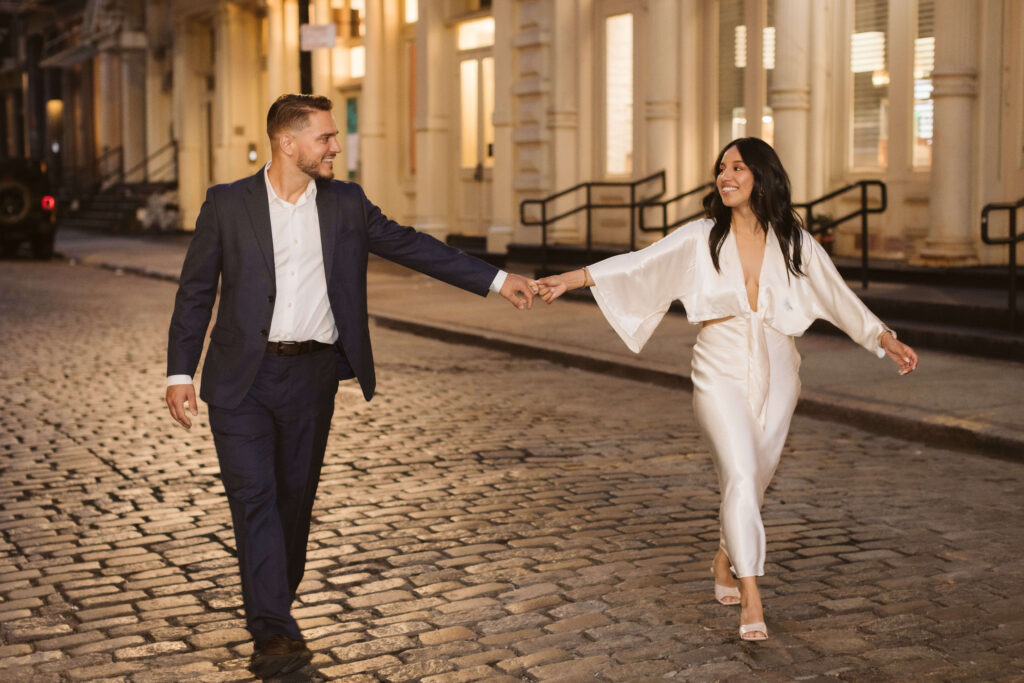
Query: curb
[(932, 429), (943, 431)]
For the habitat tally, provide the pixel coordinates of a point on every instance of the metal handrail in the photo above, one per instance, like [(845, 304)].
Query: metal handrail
[(812, 226), (1011, 242), (588, 207), (665, 225), (863, 212), (101, 164), (144, 164)]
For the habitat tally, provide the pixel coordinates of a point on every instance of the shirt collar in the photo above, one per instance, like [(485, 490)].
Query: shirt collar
[(307, 195)]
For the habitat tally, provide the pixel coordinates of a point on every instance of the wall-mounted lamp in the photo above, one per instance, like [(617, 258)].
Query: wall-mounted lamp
[(252, 155)]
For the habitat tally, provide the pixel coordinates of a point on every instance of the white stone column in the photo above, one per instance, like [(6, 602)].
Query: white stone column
[(371, 106), (159, 104), (790, 96), (661, 107), (754, 80), (503, 217), (282, 48), (818, 125), (433, 172), (953, 221), (240, 118), (189, 96), (133, 113), (108, 112), (563, 115), (695, 152), (323, 74)]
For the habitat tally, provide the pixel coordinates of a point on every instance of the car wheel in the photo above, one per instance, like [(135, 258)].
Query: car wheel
[(42, 247), (15, 202)]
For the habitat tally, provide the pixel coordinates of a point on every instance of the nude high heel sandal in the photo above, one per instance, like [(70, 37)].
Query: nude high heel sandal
[(724, 593), (756, 631)]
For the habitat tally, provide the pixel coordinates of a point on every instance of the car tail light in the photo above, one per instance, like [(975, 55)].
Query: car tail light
[(49, 203)]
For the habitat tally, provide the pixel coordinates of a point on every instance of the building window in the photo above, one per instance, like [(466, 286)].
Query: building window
[(470, 100), (869, 77), (476, 34), (924, 63), (476, 86), (618, 93)]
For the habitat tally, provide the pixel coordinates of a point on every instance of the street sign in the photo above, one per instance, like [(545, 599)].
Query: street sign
[(317, 36)]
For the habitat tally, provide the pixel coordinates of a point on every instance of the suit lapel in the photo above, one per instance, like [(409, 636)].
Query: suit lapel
[(326, 208), (258, 206)]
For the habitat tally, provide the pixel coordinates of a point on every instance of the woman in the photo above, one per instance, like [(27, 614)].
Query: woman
[(754, 280)]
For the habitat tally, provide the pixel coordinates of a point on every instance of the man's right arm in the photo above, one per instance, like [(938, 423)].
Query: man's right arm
[(193, 307)]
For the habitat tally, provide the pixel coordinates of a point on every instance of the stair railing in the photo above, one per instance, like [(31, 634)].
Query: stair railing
[(1011, 241), (143, 165), (588, 206), (665, 226), (824, 227), (109, 172), (814, 225)]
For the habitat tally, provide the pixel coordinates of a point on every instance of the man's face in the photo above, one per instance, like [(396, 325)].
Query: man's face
[(317, 145)]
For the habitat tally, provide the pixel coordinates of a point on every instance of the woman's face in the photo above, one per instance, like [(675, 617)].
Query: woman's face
[(735, 181)]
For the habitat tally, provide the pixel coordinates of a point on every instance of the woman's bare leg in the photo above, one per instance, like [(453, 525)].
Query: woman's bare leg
[(751, 611)]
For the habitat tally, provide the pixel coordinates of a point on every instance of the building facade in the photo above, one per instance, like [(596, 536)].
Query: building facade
[(452, 112)]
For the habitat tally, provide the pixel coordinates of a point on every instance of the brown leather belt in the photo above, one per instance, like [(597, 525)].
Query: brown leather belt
[(295, 348)]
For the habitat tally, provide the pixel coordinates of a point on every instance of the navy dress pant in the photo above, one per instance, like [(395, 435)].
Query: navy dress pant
[(270, 449)]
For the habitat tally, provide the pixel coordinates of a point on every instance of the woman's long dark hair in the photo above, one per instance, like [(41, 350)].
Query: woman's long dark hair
[(769, 200)]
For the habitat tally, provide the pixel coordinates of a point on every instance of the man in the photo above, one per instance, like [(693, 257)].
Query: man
[(289, 246)]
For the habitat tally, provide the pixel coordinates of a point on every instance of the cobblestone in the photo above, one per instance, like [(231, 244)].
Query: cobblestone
[(484, 518)]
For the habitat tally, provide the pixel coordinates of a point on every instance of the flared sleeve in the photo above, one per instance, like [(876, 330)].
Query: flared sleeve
[(635, 290), (831, 299)]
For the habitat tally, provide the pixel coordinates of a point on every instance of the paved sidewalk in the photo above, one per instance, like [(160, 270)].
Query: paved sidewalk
[(951, 400)]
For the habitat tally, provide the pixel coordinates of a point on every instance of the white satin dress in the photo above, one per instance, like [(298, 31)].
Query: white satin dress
[(745, 370)]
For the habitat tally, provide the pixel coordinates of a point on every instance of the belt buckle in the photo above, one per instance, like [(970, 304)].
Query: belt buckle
[(285, 348)]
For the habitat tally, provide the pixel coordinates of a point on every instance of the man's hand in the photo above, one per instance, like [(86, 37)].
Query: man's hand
[(177, 396), (518, 290)]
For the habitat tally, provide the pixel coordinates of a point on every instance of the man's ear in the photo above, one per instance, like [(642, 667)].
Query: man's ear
[(286, 143)]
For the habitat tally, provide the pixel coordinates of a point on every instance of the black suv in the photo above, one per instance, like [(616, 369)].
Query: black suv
[(28, 209)]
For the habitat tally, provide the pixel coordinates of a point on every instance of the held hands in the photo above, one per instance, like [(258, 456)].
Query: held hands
[(902, 355), (551, 287), (177, 396), (519, 291)]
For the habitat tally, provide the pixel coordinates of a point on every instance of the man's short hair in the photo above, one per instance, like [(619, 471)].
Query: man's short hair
[(289, 112)]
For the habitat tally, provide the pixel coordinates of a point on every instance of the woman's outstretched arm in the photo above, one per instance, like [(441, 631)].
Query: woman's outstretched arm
[(551, 287)]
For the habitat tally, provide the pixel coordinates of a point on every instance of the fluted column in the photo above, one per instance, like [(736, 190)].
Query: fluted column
[(952, 223), (188, 96), (433, 189), (108, 112), (282, 48), (563, 116), (133, 112), (371, 105), (503, 216), (661, 108), (323, 73), (790, 96)]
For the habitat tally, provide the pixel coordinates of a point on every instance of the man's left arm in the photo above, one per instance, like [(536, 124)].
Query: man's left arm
[(432, 257)]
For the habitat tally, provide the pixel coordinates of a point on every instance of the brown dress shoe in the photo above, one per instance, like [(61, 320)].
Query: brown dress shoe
[(278, 655)]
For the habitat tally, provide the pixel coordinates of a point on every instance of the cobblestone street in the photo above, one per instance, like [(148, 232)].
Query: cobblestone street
[(486, 517)]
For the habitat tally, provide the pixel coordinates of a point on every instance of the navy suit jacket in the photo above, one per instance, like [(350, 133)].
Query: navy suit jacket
[(233, 244)]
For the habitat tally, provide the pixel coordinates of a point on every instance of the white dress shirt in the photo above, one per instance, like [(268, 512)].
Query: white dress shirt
[(302, 311)]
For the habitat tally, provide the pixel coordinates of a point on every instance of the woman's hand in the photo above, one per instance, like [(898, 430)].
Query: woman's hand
[(551, 287), (902, 354)]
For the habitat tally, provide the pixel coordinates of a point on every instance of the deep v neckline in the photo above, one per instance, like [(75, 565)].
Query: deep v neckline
[(760, 269)]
